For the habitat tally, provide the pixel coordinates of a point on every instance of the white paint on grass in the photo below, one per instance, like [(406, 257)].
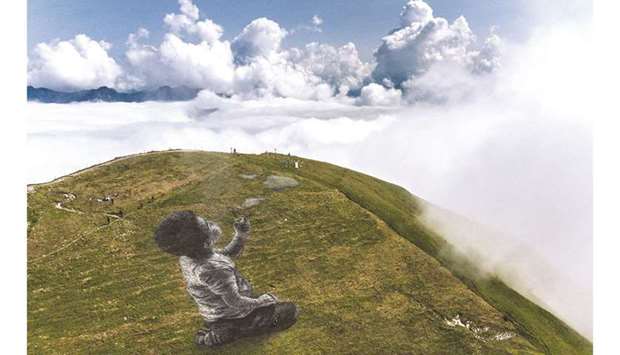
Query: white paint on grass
[(481, 333), (247, 176)]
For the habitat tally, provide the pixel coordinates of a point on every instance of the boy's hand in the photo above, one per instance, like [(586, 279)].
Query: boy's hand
[(267, 299), (242, 225)]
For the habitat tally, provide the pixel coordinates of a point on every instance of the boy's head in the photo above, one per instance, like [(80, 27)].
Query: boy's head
[(185, 233)]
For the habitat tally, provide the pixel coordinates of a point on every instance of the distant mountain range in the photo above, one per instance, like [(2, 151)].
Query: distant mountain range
[(106, 94)]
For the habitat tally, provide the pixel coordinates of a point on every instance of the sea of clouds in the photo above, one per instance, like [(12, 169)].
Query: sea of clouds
[(496, 131)]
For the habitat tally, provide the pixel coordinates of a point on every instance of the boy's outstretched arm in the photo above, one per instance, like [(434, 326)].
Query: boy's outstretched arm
[(242, 233)]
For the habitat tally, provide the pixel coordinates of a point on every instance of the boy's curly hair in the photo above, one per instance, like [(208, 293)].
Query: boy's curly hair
[(180, 234)]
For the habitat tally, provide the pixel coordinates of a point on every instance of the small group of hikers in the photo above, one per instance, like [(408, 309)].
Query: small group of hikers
[(295, 163), (224, 298), (292, 163)]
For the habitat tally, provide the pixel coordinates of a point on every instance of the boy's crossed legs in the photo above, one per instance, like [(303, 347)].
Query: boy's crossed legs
[(272, 318)]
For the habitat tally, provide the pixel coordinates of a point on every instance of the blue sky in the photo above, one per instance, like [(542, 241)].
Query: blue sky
[(362, 22)]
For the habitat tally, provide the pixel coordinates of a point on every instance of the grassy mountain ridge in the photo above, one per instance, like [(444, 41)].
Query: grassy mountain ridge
[(345, 246), (395, 204)]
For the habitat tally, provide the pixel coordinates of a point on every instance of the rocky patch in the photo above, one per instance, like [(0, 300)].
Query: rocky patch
[(252, 201), (278, 183)]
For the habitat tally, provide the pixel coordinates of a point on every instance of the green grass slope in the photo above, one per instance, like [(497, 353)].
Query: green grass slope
[(348, 248)]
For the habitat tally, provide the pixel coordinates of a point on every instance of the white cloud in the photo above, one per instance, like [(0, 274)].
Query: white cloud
[(178, 22), (316, 20), (254, 65), (260, 38), (188, 16), (340, 67), (209, 31), (198, 65), (189, 9), (187, 22), (275, 76), (487, 59), (133, 40), (314, 26), (191, 54), (377, 95), (444, 82), (415, 11), (177, 62), (316, 71), (424, 40), (79, 63)]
